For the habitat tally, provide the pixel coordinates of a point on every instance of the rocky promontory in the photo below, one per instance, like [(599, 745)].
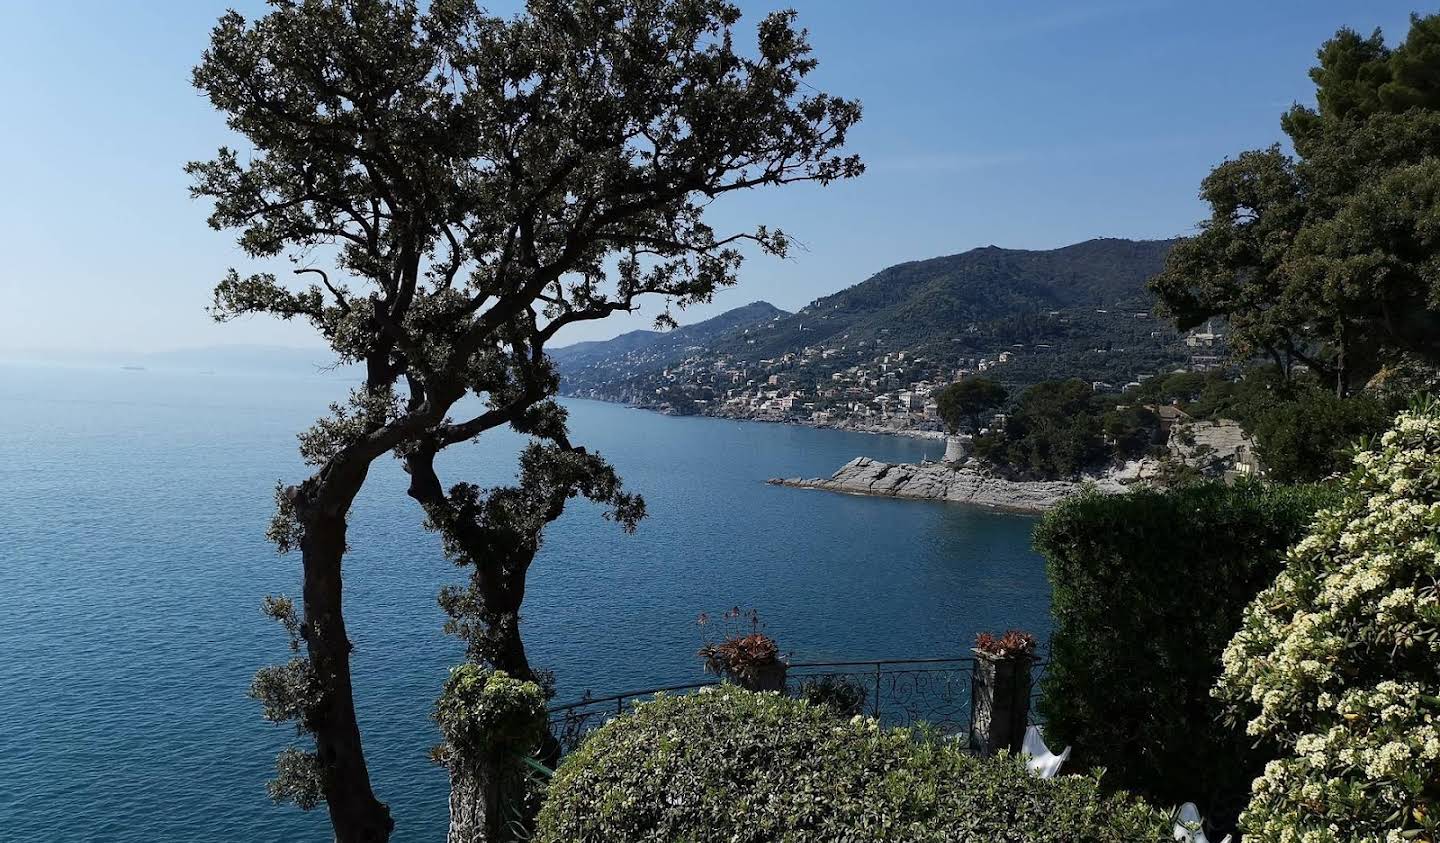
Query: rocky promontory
[(963, 483)]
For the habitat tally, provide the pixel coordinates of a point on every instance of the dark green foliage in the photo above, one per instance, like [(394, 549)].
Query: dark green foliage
[(1182, 388), (968, 402), (1302, 431), (1309, 435), (1132, 430), (1058, 429), (760, 768), (1328, 256), (1148, 588), (1054, 430), (845, 697)]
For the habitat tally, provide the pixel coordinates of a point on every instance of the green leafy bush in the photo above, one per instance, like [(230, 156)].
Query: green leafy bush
[(742, 767), (1148, 587), (1309, 435), (483, 711), (844, 696), (1338, 662)]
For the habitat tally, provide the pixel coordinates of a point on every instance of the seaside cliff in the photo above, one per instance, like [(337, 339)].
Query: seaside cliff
[(947, 482)]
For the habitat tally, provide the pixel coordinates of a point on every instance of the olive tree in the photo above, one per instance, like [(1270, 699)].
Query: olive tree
[(452, 189)]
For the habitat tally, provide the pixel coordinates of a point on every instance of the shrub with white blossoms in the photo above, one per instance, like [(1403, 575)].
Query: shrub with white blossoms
[(1337, 666)]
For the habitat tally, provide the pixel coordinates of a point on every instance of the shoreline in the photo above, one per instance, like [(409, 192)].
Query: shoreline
[(930, 435), (948, 483)]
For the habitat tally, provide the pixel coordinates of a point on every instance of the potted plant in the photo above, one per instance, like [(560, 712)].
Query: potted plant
[(746, 656), (1014, 644), (1000, 691)]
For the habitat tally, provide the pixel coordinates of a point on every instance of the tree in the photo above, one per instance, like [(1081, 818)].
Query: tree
[(1178, 387), (969, 400), (1132, 430), (1303, 432), (1308, 434), (462, 187), (1326, 257), (1053, 432)]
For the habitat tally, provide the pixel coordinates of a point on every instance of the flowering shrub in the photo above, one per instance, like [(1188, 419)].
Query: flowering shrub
[(1013, 643), (1338, 663), (731, 765)]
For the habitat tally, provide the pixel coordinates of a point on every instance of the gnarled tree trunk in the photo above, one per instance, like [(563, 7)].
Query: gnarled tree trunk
[(474, 804), (356, 814), (503, 592)]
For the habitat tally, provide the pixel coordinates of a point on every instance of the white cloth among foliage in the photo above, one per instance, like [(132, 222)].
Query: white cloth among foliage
[(1038, 757)]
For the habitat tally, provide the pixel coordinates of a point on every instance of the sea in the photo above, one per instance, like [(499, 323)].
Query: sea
[(133, 506)]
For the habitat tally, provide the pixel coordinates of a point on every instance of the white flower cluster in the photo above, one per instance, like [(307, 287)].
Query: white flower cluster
[(1338, 662)]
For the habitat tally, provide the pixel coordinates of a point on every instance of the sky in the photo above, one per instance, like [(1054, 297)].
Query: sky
[(1028, 124)]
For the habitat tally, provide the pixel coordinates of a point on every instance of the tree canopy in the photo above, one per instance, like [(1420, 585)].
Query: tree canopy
[(461, 187), (1329, 256), (1054, 430), (967, 401), (1303, 432)]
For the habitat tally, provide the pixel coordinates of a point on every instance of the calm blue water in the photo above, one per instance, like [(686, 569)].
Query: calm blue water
[(132, 512)]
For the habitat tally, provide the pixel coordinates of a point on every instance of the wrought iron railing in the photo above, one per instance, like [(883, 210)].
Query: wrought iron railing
[(1037, 676), (900, 692), (897, 692), (570, 723)]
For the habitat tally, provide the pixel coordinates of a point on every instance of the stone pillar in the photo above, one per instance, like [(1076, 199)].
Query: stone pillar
[(999, 702), (956, 448)]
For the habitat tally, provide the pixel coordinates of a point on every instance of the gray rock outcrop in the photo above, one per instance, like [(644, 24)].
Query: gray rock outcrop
[(946, 482)]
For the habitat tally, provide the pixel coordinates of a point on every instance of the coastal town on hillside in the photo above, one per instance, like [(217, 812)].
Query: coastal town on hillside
[(859, 386)]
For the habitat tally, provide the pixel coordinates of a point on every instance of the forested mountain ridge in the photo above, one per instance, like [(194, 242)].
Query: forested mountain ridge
[(919, 302), (640, 348), (1081, 310)]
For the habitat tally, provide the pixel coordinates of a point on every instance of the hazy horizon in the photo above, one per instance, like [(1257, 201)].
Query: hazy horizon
[(686, 317)]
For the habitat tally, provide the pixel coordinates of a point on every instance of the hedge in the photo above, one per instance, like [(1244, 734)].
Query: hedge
[(742, 767), (1148, 588)]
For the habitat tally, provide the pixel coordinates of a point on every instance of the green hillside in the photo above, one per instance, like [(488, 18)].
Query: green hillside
[(979, 298), (1077, 311)]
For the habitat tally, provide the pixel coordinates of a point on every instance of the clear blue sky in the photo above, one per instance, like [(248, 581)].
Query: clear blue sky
[(1024, 124)]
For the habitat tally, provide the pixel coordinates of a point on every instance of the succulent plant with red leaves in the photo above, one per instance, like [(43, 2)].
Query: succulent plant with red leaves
[(1014, 642), (740, 654)]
